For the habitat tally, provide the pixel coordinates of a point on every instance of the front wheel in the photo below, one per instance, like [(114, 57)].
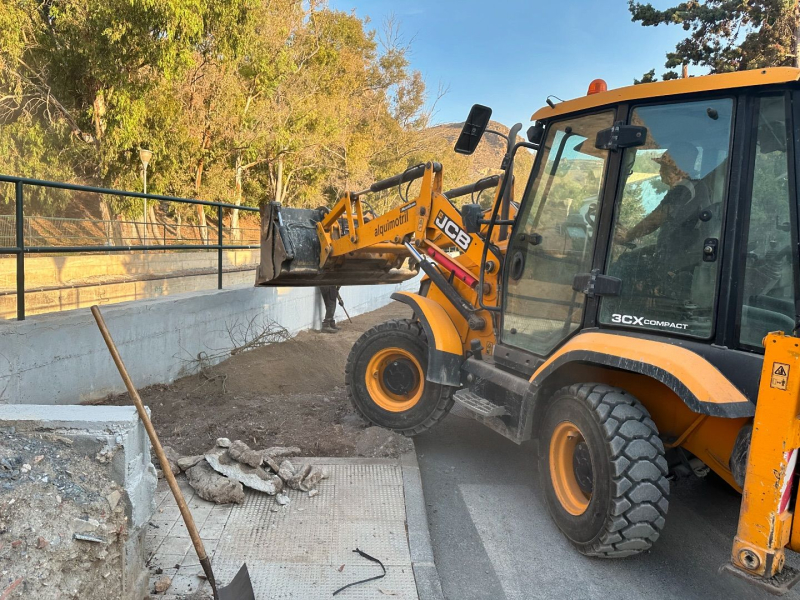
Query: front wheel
[(603, 470), (385, 378)]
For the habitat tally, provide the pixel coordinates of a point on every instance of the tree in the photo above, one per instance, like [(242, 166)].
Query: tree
[(727, 35)]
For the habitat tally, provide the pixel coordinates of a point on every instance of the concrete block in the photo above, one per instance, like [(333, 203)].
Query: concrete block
[(116, 437)]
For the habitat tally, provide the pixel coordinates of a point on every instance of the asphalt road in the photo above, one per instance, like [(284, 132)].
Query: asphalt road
[(493, 538)]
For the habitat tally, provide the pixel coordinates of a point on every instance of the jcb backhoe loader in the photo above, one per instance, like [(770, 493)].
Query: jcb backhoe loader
[(636, 313)]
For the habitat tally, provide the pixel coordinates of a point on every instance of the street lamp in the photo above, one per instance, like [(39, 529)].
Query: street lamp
[(145, 156)]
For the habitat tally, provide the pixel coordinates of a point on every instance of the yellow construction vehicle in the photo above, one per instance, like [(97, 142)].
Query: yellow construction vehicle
[(629, 313)]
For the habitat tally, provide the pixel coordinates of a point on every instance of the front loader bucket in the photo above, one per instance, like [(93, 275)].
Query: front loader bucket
[(290, 255)]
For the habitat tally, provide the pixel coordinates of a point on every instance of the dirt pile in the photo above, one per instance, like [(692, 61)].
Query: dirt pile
[(62, 521), (286, 394)]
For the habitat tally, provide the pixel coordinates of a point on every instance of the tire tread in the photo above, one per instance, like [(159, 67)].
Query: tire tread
[(638, 469), (445, 401)]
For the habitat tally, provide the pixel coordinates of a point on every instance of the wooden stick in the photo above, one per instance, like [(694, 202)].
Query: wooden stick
[(162, 458)]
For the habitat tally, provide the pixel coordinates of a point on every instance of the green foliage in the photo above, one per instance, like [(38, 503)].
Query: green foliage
[(243, 101), (727, 35)]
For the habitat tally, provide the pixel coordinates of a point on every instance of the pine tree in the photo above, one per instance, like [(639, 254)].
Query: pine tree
[(727, 35)]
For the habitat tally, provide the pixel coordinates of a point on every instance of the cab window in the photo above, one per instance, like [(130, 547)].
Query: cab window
[(668, 219), (768, 286), (554, 239)]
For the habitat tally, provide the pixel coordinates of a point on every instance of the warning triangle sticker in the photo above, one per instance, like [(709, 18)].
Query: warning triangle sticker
[(780, 370)]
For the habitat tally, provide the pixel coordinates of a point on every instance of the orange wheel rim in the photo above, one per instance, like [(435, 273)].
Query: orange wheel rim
[(564, 441), (394, 379)]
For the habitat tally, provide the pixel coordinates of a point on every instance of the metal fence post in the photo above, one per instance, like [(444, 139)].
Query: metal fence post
[(20, 252), (219, 250)]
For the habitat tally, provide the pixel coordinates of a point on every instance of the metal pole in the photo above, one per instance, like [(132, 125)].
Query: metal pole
[(219, 250), (144, 176), (20, 253)]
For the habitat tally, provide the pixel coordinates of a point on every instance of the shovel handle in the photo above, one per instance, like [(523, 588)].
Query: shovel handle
[(162, 458)]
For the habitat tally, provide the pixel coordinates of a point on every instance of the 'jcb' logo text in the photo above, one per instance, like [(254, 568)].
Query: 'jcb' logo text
[(453, 231)]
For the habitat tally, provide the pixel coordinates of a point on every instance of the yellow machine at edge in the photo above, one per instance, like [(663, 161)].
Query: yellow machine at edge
[(635, 313)]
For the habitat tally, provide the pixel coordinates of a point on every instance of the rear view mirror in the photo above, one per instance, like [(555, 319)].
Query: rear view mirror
[(473, 129), (471, 216)]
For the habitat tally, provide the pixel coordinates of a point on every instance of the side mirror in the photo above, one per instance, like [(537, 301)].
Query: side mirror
[(621, 136), (471, 216), (473, 130)]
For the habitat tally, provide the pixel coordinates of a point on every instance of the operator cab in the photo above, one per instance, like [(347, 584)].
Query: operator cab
[(685, 235)]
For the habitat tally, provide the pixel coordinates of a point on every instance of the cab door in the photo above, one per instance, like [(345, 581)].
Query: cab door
[(668, 219), (554, 238)]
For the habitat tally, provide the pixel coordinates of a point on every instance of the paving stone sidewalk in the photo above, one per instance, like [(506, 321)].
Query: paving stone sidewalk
[(305, 549)]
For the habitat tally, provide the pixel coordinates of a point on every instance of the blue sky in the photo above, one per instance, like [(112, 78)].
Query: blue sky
[(512, 54)]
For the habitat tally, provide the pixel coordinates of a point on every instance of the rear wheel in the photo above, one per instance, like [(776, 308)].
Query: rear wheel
[(603, 470), (385, 377)]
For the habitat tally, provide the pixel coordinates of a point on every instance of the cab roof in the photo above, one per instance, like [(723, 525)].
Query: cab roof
[(674, 87)]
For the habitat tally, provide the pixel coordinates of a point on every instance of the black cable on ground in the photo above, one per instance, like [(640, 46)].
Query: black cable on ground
[(368, 557)]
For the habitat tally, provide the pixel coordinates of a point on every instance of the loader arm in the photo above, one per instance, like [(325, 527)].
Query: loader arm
[(349, 246)]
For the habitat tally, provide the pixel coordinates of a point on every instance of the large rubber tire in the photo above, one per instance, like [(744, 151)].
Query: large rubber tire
[(626, 505), (405, 337)]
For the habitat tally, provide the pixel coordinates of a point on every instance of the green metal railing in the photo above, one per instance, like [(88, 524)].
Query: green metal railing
[(20, 249)]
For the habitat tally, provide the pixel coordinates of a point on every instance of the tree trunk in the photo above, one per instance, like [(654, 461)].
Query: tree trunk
[(201, 213), (237, 199), (279, 182), (155, 231), (107, 214)]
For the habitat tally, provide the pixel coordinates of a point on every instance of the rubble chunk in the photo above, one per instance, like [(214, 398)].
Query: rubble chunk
[(310, 481), (187, 462), (172, 459), (272, 463), (113, 499), (85, 525), (223, 442), (280, 451), (163, 584), (282, 499), (252, 477), (212, 486), (286, 470), (301, 473), (241, 452)]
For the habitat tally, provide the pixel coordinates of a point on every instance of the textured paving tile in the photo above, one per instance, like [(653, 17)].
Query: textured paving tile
[(296, 551)]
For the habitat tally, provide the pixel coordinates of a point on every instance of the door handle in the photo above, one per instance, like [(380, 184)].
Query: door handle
[(710, 249)]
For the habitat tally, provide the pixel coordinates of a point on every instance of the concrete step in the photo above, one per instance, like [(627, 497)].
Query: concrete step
[(478, 404)]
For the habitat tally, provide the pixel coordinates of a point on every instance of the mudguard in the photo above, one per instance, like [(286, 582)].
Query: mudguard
[(445, 348), (698, 383)]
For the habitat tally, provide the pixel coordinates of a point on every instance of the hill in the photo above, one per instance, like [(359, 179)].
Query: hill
[(486, 159)]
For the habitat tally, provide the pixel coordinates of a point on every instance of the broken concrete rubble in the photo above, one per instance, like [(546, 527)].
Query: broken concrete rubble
[(310, 481), (241, 452), (286, 470), (220, 474), (212, 486), (187, 462), (301, 473), (275, 452), (172, 459), (252, 477)]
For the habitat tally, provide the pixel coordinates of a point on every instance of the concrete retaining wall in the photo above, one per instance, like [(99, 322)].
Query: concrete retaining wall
[(61, 358), (59, 283)]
